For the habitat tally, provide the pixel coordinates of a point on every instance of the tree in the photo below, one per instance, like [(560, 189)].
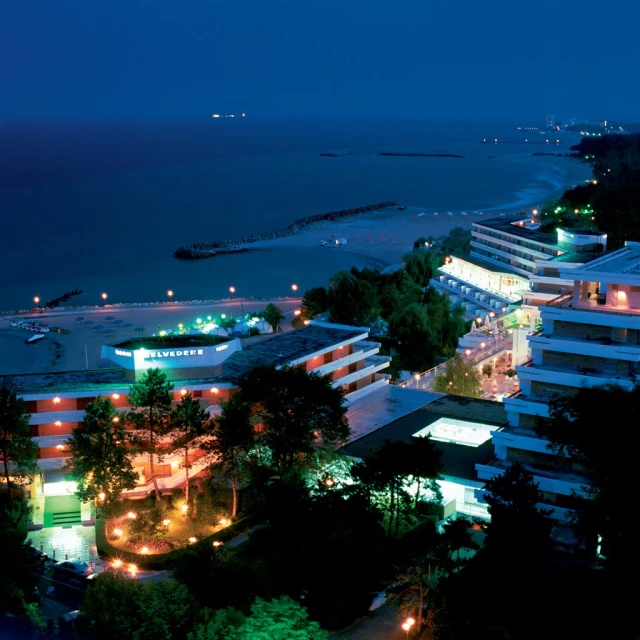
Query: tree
[(119, 607), (420, 266), (18, 450), (278, 619), (152, 397), (314, 301), (233, 437), (274, 316), (517, 525), (352, 300), (100, 461), (575, 431), (413, 332), (188, 424), (295, 412), (460, 378)]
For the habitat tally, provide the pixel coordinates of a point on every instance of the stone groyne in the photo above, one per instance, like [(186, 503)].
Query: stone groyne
[(201, 250)]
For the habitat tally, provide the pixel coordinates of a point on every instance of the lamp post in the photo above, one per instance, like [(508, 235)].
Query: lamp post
[(170, 295), (104, 297), (294, 287), (232, 291), (408, 623), (37, 301)]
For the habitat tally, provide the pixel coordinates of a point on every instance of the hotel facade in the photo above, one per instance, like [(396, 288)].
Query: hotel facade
[(207, 367), (590, 336)]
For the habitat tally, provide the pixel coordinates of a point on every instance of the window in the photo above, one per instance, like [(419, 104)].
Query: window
[(618, 335), (609, 365)]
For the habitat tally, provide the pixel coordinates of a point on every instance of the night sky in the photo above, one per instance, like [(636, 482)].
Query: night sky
[(89, 60)]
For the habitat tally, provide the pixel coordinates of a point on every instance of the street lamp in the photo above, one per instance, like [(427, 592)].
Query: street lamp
[(37, 301), (408, 623), (294, 287), (104, 297), (170, 294)]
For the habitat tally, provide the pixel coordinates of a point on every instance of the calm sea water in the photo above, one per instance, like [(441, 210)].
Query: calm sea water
[(100, 207)]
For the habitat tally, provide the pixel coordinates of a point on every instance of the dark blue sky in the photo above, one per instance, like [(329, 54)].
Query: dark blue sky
[(130, 59)]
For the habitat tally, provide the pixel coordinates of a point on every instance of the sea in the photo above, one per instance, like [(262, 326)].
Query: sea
[(101, 206)]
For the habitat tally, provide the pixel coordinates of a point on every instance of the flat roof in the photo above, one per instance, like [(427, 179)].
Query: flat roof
[(506, 225), (489, 266), (276, 350), (623, 261), (286, 347), (179, 341), (576, 257), (458, 460)]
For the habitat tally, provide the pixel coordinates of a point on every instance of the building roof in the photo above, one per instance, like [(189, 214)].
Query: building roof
[(287, 347), (276, 350), (171, 341), (506, 226), (625, 261), (459, 460), (483, 264), (576, 257)]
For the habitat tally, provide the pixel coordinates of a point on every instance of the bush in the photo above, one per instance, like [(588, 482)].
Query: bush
[(510, 373)]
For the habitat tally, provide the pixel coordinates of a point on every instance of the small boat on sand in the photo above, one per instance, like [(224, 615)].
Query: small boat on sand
[(35, 338)]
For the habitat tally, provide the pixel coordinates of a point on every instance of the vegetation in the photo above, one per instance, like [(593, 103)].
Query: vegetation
[(274, 316), (189, 422), (314, 301), (460, 378), (151, 396), (609, 201), (17, 449), (100, 462)]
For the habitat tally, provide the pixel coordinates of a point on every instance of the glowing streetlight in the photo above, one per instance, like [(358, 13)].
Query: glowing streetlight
[(115, 396), (329, 482), (232, 290), (294, 287), (468, 352), (215, 390), (193, 539), (183, 392), (58, 423), (56, 400), (117, 532), (37, 301), (117, 564), (170, 294), (483, 345), (306, 322), (223, 521), (144, 550), (491, 314), (479, 320), (297, 312), (104, 296), (131, 515), (115, 419)]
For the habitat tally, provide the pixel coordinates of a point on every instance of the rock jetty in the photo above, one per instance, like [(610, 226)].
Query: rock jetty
[(201, 250)]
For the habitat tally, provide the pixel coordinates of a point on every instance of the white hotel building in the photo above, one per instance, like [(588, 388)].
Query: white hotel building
[(590, 337)]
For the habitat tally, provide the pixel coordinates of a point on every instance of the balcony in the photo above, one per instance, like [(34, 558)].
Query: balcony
[(373, 364), (551, 480), (362, 350), (590, 312), (529, 404), (571, 376), (599, 348)]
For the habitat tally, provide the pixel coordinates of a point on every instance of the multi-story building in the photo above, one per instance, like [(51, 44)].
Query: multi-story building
[(590, 336), (512, 263), (207, 367)]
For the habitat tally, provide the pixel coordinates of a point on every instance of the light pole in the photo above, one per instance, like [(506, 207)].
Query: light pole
[(232, 291), (37, 301), (408, 623), (104, 297), (294, 287), (170, 294)]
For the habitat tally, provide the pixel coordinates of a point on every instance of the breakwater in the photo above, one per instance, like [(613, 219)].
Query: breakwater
[(201, 250)]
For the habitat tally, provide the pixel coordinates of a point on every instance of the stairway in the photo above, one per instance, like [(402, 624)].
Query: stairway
[(62, 511)]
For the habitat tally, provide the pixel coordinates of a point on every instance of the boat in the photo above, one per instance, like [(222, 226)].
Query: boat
[(35, 338)]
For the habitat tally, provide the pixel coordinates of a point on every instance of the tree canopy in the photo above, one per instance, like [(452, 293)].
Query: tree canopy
[(18, 450), (100, 457), (459, 378)]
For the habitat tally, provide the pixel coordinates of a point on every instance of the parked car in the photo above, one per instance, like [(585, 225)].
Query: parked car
[(41, 556), (73, 568)]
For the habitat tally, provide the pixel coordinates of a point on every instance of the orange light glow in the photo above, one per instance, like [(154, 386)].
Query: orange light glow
[(56, 400), (115, 396), (58, 423)]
